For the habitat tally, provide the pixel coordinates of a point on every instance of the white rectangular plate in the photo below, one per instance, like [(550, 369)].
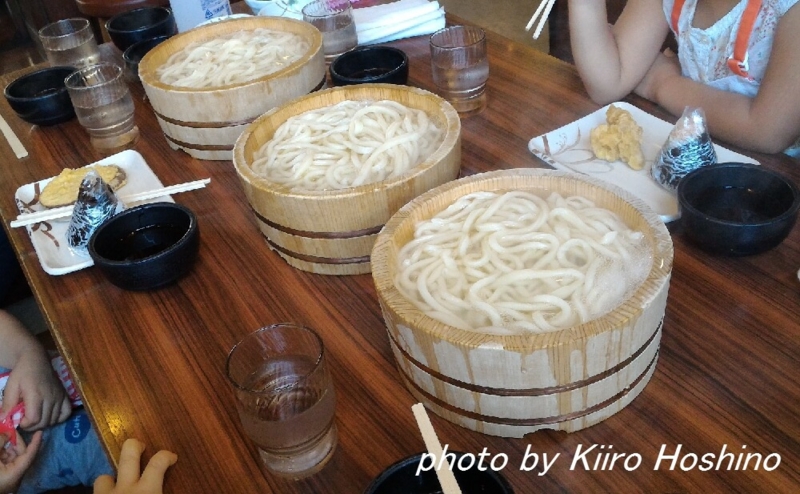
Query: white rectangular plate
[(49, 238), (568, 148)]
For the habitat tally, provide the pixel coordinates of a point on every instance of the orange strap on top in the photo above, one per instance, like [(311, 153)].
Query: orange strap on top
[(738, 61)]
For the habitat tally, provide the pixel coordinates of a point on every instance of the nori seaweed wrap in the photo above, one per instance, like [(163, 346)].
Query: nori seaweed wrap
[(688, 147), (96, 203)]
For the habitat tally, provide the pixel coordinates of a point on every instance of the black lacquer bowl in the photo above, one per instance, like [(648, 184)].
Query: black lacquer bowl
[(134, 54), (370, 64), (737, 209), (402, 478), (140, 24), (41, 98), (147, 246)]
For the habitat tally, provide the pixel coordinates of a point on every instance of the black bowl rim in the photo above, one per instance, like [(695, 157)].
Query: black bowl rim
[(684, 203), (190, 232), (27, 77), (126, 55), (155, 8), (344, 56), (391, 469)]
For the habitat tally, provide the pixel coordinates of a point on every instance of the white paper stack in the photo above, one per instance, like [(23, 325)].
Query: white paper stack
[(397, 20)]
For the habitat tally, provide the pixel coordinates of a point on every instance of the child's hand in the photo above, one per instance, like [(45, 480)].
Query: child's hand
[(33, 382), (129, 481), (15, 460), (665, 66)]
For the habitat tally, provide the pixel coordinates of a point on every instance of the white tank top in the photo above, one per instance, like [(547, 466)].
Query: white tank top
[(704, 53)]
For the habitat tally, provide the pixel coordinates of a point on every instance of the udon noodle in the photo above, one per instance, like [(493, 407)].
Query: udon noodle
[(234, 58), (348, 144), (512, 262)]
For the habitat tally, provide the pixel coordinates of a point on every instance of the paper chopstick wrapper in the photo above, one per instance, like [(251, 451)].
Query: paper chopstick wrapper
[(397, 20), (13, 140)]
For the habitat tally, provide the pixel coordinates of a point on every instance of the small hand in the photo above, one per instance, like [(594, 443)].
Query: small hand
[(665, 66), (33, 382), (15, 460), (129, 481)]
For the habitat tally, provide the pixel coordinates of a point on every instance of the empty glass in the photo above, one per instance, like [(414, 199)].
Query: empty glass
[(334, 19), (69, 42), (104, 106)]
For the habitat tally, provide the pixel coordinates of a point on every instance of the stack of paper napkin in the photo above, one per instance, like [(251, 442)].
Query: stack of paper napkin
[(397, 20)]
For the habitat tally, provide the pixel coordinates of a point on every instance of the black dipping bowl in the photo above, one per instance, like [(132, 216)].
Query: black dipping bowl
[(136, 25), (737, 209), (134, 54), (147, 246), (401, 478), (41, 97), (370, 64)]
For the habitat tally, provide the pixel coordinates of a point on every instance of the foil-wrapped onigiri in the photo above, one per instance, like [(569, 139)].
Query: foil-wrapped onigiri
[(96, 203), (688, 147)]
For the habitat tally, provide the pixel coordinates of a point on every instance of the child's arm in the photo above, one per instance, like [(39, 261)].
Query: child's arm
[(612, 60), (129, 480), (32, 379), (15, 461), (768, 123)]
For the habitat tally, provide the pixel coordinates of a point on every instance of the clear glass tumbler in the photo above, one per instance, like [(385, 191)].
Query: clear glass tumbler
[(104, 106), (460, 66), (285, 398), (70, 43), (334, 19)]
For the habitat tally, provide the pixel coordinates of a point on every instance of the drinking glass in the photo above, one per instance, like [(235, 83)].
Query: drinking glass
[(460, 66), (104, 106), (70, 42), (334, 19), (285, 398)]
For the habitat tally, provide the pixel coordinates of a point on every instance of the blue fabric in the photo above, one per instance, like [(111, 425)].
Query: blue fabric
[(70, 455)]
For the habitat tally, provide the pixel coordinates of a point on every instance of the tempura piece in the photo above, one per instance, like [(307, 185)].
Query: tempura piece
[(63, 189), (618, 139)]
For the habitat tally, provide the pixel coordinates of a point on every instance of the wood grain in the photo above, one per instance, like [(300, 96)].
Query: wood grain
[(150, 365)]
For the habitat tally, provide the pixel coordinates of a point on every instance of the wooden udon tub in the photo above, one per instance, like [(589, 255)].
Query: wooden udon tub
[(205, 122), (333, 231), (513, 385)]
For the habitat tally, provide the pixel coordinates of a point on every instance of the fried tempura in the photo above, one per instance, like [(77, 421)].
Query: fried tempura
[(618, 139)]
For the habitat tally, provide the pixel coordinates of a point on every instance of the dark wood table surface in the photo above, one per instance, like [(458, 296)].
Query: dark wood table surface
[(150, 365)]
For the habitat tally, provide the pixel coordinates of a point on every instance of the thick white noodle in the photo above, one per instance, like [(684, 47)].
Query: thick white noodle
[(348, 144), (513, 262), (235, 58)]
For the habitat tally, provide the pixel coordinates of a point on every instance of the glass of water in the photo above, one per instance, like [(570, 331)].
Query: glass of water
[(285, 398), (104, 106), (460, 66), (69, 42), (334, 19)]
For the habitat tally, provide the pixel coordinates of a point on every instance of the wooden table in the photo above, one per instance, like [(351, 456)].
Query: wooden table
[(150, 365)]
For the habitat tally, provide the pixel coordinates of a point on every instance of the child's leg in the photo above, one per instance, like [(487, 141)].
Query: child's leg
[(70, 455)]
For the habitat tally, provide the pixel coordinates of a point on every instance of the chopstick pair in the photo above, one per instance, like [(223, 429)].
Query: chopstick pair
[(544, 11), (64, 211)]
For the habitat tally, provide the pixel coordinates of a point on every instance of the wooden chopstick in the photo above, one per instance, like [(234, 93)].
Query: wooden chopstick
[(544, 10), (445, 474), (64, 211)]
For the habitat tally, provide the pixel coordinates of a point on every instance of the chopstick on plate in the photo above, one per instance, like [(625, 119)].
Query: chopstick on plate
[(544, 10), (64, 211), (445, 474)]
